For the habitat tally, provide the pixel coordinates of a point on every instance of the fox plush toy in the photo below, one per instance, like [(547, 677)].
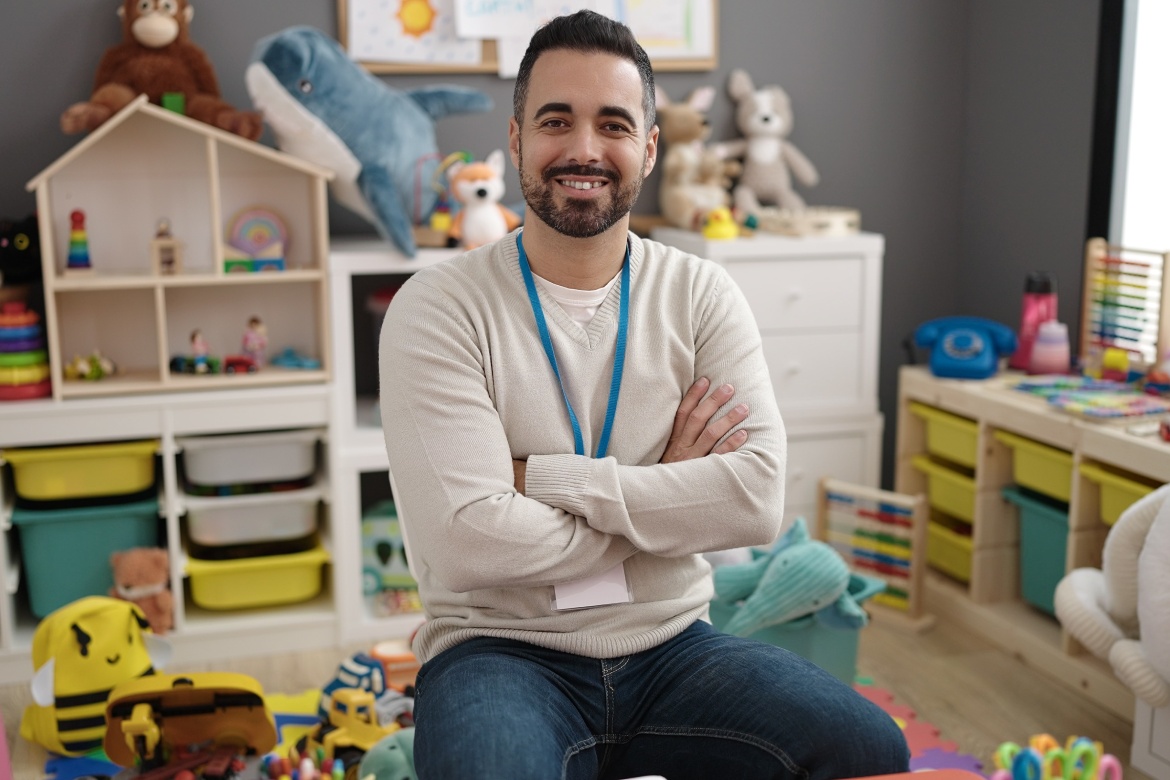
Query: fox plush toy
[(479, 186)]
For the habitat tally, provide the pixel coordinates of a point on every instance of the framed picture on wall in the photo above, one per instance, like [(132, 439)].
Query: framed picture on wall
[(469, 36)]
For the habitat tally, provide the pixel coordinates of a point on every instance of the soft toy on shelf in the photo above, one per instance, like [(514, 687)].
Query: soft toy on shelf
[(141, 576), (378, 141), (478, 187), (156, 57), (770, 160), (695, 179), (1121, 612)]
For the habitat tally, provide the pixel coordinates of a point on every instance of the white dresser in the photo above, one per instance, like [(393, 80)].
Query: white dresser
[(817, 301)]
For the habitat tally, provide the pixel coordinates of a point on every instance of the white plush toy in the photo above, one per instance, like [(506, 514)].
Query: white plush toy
[(770, 161), (479, 186), (1121, 611)]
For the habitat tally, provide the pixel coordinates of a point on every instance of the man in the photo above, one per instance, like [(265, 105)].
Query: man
[(559, 476)]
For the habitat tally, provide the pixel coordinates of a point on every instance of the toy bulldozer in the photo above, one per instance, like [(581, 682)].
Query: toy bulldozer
[(166, 723)]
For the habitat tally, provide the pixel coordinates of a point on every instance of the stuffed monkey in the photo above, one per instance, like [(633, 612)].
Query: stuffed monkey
[(156, 56)]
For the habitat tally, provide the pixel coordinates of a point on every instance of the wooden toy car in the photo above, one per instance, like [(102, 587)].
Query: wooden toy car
[(239, 364)]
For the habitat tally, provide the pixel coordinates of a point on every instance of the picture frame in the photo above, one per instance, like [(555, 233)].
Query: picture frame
[(700, 55)]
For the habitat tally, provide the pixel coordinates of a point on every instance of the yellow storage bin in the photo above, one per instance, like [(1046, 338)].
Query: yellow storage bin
[(1039, 467), (55, 473), (1117, 491), (257, 582), (949, 435), (948, 490), (949, 551)]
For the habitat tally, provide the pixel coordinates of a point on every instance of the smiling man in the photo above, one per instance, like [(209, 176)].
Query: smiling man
[(573, 415)]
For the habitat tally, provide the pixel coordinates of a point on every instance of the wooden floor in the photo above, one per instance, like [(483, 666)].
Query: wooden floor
[(976, 695)]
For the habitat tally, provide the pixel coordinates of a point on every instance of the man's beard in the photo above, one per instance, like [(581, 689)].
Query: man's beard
[(579, 218)]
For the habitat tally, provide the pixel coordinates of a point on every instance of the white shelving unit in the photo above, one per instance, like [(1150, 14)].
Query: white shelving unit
[(817, 302), (358, 446), (199, 634)]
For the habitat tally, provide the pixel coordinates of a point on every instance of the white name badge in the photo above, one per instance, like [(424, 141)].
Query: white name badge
[(607, 588)]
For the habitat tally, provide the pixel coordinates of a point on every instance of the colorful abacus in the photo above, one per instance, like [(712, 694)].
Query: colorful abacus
[(24, 364)]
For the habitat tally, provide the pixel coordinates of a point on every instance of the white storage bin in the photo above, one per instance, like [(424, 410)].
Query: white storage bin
[(251, 457), (260, 517)]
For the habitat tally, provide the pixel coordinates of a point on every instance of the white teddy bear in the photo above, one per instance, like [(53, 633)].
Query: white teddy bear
[(764, 117), (1121, 612)]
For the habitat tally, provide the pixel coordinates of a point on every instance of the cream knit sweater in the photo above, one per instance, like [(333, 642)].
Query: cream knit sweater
[(466, 388)]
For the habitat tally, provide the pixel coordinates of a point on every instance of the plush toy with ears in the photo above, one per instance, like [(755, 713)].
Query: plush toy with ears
[(156, 57), (770, 160), (695, 180), (1121, 612), (141, 576), (479, 187)]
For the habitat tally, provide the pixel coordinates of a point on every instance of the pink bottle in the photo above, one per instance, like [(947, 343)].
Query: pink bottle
[(1039, 306)]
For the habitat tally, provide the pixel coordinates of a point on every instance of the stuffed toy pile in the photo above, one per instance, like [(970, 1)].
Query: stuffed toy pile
[(378, 141), (156, 57)]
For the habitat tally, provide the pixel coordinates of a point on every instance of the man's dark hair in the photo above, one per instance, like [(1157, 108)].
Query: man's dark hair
[(590, 33)]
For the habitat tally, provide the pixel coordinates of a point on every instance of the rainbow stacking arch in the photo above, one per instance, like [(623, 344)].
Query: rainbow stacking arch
[(256, 231)]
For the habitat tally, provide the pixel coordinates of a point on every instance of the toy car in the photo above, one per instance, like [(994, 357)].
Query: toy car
[(185, 364), (239, 364), (290, 358)]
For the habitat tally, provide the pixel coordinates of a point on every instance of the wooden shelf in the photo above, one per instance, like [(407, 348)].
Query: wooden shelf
[(143, 281)]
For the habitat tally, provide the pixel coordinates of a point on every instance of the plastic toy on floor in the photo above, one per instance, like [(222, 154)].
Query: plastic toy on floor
[(392, 758), (1080, 758), (71, 653)]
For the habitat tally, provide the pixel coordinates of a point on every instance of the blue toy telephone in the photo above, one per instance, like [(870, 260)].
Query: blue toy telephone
[(965, 347)]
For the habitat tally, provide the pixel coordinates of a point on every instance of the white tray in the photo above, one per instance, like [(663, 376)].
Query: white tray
[(260, 517), (250, 457)]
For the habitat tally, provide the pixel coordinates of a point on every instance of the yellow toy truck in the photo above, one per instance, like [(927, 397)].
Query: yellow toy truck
[(349, 731)]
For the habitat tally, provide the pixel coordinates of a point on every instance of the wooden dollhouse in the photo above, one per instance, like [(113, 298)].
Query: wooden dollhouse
[(148, 166)]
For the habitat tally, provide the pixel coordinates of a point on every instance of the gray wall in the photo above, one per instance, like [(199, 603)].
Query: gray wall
[(960, 129)]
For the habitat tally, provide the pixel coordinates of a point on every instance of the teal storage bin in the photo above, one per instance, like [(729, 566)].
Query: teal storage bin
[(1043, 540), (66, 552), (832, 649)]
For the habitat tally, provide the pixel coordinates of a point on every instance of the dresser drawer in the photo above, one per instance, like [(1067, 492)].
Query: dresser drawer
[(847, 456), (816, 370), (802, 294)]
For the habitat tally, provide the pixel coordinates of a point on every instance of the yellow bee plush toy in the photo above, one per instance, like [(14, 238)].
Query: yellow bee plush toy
[(80, 652)]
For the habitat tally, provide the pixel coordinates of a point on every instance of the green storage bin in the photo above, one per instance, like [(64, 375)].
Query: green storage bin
[(832, 649), (1043, 540), (66, 552)]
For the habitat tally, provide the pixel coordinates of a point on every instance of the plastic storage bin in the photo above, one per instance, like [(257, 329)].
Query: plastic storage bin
[(384, 564), (1043, 539), (1039, 467), (948, 490), (949, 435), (260, 517), (1118, 491), (280, 456), (832, 649), (59, 473), (257, 582), (949, 547), (67, 552)]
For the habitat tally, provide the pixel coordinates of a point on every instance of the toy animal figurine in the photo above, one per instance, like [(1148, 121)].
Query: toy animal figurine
[(720, 225), (142, 576), (770, 160), (379, 141), (391, 758), (156, 57), (80, 652), (479, 186), (695, 179), (1121, 612)]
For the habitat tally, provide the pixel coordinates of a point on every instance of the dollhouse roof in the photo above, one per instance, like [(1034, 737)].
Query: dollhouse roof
[(142, 105)]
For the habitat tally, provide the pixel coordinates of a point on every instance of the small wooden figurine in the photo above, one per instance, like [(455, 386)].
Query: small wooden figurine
[(166, 253), (255, 340)]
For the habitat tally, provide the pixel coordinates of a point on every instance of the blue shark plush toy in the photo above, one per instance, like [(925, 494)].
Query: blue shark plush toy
[(379, 141)]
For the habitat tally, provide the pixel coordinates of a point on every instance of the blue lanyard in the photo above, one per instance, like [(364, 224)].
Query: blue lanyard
[(619, 355)]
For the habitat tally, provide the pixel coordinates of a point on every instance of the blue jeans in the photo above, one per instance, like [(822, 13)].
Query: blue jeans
[(703, 705)]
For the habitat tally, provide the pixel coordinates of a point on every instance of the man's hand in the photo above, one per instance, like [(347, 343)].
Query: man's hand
[(519, 469), (695, 429)]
